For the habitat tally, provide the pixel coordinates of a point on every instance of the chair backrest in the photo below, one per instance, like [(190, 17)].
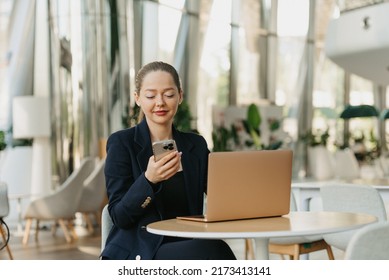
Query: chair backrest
[(106, 225), (4, 203), (71, 189), (94, 191), (351, 198), (369, 243), (96, 178)]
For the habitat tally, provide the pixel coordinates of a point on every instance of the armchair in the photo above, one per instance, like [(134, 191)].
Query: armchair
[(61, 205)]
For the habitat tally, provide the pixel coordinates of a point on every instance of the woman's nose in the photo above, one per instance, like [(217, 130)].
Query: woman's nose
[(159, 100)]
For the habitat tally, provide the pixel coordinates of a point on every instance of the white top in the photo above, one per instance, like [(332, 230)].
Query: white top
[(293, 224)]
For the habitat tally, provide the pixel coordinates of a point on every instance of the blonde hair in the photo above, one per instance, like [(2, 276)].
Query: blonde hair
[(153, 67)]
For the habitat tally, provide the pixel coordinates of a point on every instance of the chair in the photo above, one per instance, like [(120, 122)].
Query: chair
[(350, 198), (296, 246), (369, 243), (93, 195), (61, 205), (4, 211), (106, 225)]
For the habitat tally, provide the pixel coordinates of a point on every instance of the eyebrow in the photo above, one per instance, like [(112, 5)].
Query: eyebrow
[(153, 90)]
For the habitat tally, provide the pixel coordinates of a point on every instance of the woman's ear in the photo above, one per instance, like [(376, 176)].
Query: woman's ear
[(136, 97), (181, 97)]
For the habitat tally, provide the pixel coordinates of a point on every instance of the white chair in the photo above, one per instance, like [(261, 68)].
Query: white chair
[(350, 198), (369, 243), (4, 211), (61, 205), (93, 195), (106, 225), (296, 246)]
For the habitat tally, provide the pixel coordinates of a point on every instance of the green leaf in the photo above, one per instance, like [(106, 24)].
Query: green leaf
[(256, 138), (253, 116)]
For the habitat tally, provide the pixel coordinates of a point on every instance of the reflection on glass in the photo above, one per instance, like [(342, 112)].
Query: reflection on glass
[(89, 76), (213, 86), (361, 91), (168, 26), (248, 72), (294, 23)]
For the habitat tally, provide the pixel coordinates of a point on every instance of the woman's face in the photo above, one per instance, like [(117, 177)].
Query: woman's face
[(159, 97)]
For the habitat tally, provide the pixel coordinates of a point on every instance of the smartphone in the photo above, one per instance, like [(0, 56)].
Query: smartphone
[(162, 148)]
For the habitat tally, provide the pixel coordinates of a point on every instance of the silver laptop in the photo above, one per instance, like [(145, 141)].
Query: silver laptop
[(247, 184)]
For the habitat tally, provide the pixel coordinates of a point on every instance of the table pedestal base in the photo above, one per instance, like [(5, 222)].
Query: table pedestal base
[(261, 248)]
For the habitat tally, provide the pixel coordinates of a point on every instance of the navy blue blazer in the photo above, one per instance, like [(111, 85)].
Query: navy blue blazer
[(132, 203)]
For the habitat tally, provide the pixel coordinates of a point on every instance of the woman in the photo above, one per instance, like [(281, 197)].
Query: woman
[(142, 190)]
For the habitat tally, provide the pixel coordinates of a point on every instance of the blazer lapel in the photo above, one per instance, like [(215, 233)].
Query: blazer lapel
[(142, 139)]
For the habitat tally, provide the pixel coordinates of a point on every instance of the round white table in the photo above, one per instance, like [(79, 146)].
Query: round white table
[(262, 229)]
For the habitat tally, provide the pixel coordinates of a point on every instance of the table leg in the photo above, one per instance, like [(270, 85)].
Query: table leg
[(19, 231), (262, 248), (19, 227), (301, 199)]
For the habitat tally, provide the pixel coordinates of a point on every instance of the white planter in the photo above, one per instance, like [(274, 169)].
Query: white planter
[(346, 165), (320, 163)]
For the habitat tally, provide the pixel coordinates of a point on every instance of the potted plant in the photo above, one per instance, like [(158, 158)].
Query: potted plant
[(245, 133), (225, 138), (317, 138)]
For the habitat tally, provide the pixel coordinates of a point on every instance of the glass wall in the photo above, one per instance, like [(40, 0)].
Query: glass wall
[(214, 67), (5, 11), (228, 52)]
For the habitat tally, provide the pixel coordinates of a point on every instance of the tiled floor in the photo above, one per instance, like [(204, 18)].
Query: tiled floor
[(87, 247), (55, 247)]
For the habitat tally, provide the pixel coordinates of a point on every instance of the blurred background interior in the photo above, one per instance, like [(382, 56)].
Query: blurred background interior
[(314, 71)]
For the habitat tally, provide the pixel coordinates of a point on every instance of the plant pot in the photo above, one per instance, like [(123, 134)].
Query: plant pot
[(320, 163)]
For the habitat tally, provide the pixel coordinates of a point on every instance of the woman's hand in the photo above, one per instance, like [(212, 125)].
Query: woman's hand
[(163, 169)]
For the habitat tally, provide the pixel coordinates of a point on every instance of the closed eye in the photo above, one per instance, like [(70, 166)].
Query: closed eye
[(169, 94)]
